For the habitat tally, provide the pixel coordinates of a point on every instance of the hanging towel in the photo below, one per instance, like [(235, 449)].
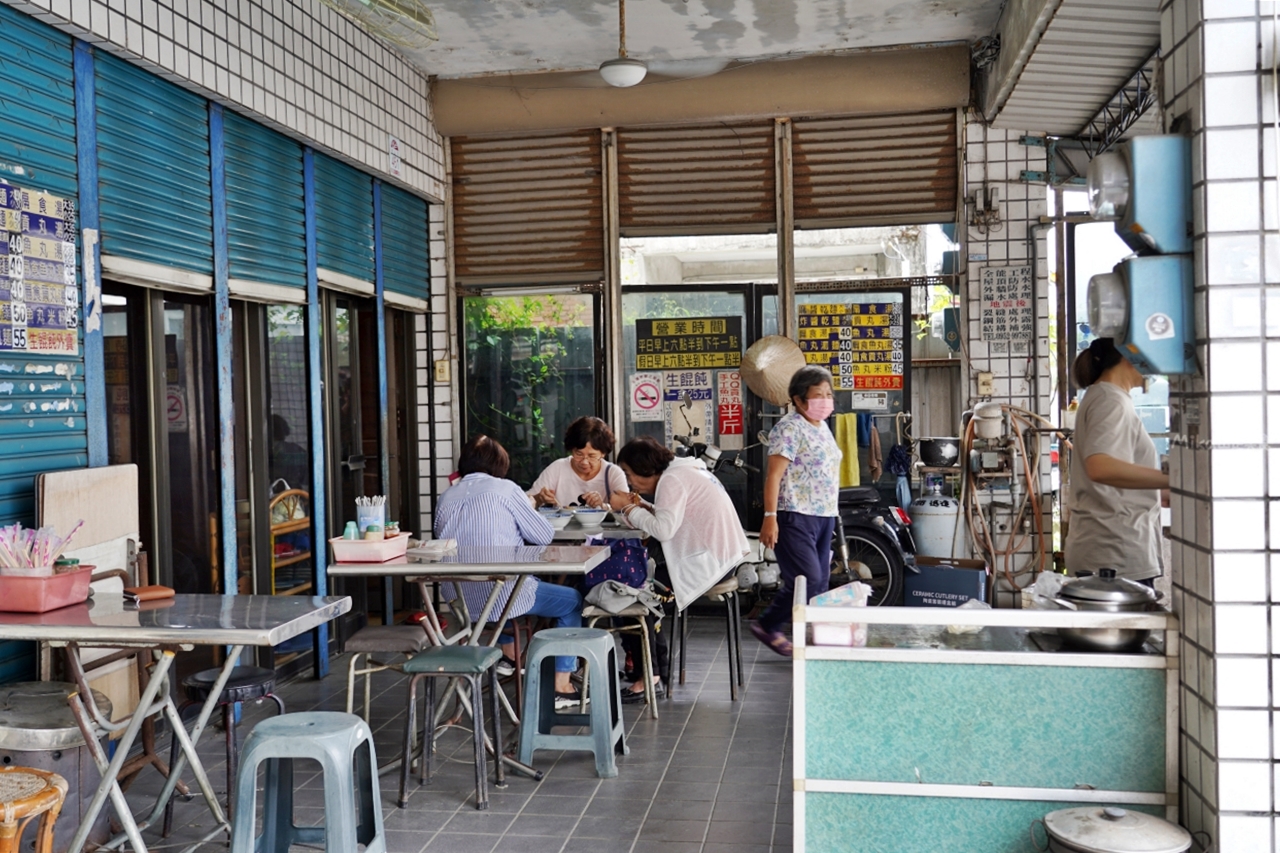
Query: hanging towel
[(847, 439), (866, 428), (874, 460)]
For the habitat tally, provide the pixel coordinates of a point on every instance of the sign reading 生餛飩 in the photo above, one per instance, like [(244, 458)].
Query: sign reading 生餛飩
[(859, 342), (39, 301), (681, 343)]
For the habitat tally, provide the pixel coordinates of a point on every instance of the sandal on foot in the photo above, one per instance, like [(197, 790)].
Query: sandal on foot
[(775, 640)]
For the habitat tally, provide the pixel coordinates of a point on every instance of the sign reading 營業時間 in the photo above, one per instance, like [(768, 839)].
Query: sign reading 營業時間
[(681, 343)]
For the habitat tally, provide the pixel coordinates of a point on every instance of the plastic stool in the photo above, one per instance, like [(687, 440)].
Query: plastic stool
[(26, 793), (379, 639), (246, 684), (602, 689), (727, 591), (469, 662), (343, 745), (639, 614)]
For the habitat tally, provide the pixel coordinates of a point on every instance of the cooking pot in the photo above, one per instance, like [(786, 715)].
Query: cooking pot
[(1110, 594), (939, 452), (1098, 829)]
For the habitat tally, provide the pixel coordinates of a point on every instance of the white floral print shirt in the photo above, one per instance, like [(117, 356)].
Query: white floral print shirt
[(811, 484)]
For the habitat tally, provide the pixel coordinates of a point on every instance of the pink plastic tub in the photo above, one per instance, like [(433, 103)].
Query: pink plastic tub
[(40, 595), (369, 550)]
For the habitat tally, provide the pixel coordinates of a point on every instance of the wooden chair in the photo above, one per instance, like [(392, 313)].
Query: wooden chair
[(25, 794)]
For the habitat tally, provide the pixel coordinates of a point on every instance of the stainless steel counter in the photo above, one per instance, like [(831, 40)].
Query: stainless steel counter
[(483, 561)]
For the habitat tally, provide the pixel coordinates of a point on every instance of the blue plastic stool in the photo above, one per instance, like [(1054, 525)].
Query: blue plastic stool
[(602, 689), (343, 745), (465, 662)]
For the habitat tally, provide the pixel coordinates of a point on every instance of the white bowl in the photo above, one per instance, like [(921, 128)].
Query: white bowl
[(590, 517), (558, 520)]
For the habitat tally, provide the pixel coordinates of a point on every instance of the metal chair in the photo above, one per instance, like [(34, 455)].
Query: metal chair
[(640, 625), (727, 591)]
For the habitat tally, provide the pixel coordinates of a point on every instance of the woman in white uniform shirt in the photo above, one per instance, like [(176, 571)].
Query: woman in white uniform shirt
[(585, 475), (1115, 476)]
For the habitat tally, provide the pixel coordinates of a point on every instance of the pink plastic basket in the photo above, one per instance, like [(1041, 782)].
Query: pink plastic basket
[(369, 550), (40, 595)]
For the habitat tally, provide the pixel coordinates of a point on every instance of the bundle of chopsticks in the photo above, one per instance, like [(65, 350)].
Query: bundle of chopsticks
[(376, 500), (24, 548)]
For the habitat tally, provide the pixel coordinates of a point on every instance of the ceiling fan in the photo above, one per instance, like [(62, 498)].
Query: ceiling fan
[(625, 71)]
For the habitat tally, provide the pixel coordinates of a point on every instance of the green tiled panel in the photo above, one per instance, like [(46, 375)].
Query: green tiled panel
[(866, 823), (1038, 726)]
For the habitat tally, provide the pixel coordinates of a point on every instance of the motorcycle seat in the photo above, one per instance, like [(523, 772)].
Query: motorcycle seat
[(859, 495)]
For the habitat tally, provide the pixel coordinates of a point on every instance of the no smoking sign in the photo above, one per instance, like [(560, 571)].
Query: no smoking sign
[(646, 397)]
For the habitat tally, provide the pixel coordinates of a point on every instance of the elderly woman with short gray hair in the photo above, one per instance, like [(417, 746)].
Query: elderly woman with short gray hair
[(801, 498)]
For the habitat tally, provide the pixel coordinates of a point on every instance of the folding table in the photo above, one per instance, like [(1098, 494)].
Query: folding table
[(168, 626)]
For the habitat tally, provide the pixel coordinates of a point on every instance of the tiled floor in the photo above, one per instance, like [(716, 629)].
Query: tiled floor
[(710, 775)]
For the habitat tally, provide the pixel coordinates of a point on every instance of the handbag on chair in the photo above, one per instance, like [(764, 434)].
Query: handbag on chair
[(628, 564)]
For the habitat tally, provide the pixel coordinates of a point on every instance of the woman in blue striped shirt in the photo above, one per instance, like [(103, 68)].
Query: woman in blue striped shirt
[(484, 509)]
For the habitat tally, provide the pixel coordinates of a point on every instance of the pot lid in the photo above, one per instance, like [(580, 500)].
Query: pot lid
[(1105, 586), (1095, 829)]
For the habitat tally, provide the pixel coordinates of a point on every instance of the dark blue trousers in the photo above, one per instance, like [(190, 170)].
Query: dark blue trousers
[(804, 548)]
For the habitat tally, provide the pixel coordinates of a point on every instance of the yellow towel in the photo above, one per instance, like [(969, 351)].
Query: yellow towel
[(847, 438)]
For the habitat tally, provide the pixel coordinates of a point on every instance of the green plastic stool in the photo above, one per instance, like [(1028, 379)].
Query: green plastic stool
[(469, 662), (539, 716), (343, 745)]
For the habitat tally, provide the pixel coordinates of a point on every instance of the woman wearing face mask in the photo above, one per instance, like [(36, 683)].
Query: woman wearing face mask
[(801, 494), (1115, 475)]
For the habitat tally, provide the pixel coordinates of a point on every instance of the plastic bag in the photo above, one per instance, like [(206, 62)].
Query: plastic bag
[(854, 594), (971, 604)]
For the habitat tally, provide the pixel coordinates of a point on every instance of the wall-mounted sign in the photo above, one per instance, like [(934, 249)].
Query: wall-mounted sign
[(860, 343), (646, 396), (688, 342), (679, 385), (1007, 297), (39, 300), (395, 166)]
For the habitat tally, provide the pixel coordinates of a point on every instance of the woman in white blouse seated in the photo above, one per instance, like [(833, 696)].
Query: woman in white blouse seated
[(482, 508), (691, 515), (585, 476)]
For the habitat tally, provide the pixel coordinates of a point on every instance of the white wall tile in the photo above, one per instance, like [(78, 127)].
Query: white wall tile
[(1241, 629), (1243, 683)]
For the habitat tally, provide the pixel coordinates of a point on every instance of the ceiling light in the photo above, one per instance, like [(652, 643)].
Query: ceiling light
[(623, 72)]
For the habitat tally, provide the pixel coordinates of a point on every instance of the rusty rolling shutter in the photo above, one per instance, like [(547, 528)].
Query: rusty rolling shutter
[(877, 170), (528, 210), (713, 179)]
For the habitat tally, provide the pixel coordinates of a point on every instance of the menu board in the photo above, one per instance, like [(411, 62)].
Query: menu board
[(681, 343), (1008, 319), (859, 342), (39, 301)]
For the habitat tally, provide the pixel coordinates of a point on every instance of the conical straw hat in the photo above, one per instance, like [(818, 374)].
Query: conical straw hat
[(769, 364)]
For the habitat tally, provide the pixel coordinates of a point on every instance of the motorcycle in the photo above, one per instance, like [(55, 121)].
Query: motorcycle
[(872, 541)]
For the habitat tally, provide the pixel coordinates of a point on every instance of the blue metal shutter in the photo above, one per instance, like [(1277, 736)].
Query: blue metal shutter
[(406, 260), (344, 218), (266, 220), (42, 421), (153, 168)]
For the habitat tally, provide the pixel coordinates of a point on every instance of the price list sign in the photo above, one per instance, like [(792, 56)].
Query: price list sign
[(860, 343), (683, 343), (39, 302), (1007, 320)]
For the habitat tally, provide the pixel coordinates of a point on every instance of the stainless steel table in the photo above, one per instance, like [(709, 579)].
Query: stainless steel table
[(501, 564), (609, 530), (168, 626)]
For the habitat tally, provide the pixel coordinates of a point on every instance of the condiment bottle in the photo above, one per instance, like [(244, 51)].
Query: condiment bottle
[(351, 531)]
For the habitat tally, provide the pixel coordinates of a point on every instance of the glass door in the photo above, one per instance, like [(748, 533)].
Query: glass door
[(531, 370), (352, 412), (682, 348), (163, 414)]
